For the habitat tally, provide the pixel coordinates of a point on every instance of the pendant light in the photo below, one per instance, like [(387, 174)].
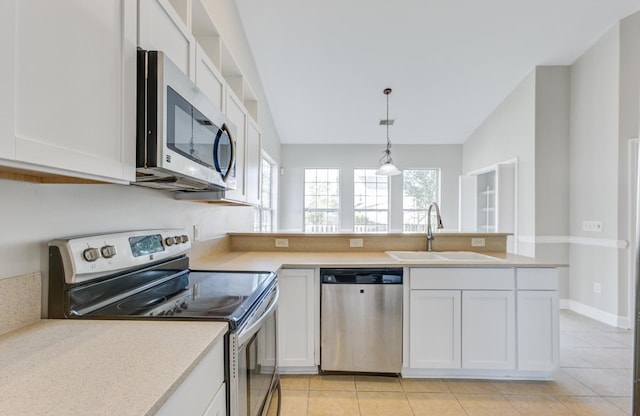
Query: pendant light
[(387, 168)]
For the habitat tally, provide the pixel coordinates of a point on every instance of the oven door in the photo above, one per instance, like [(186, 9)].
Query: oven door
[(253, 363)]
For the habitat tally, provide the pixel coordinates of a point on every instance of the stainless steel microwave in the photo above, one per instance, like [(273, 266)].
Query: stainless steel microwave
[(183, 141)]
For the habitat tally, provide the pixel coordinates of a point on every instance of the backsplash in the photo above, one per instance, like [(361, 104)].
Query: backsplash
[(19, 301), (493, 242)]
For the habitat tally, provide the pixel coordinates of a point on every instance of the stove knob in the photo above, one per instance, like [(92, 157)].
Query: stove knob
[(178, 239), (185, 238), (184, 305), (108, 251), (169, 241), (91, 254)]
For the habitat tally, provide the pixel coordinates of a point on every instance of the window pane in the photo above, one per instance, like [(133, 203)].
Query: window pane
[(420, 188), (371, 201), (264, 213), (321, 200)]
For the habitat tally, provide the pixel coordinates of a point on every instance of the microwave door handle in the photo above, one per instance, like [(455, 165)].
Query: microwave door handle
[(246, 334), (232, 143)]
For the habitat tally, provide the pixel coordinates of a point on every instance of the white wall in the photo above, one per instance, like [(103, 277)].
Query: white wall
[(604, 118), (532, 126), (347, 157), (594, 172), (508, 133), (33, 214)]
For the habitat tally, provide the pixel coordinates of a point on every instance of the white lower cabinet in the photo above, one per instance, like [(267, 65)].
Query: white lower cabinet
[(476, 322), (296, 320), (488, 329), (199, 394), (434, 312), (538, 321), (218, 406)]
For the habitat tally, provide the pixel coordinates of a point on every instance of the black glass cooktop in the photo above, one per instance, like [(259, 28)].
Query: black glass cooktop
[(213, 295)]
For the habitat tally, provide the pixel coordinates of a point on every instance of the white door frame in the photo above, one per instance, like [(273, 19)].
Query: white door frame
[(634, 204)]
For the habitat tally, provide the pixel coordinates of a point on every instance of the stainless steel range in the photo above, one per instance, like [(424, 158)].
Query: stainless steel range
[(146, 275)]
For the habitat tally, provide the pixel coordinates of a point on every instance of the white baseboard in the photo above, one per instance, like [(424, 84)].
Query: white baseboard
[(599, 315), (564, 303)]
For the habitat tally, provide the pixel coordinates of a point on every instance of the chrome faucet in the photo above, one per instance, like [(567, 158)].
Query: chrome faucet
[(430, 236)]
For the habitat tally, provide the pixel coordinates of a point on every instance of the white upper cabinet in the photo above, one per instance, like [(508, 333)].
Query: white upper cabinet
[(238, 116), (253, 152), (70, 106), (162, 28), (209, 79), (7, 76)]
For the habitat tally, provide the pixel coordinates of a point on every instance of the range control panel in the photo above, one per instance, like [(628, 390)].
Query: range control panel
[(89, 257)]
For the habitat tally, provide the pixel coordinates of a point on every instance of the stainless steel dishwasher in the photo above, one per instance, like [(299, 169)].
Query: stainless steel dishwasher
[(361, 320)]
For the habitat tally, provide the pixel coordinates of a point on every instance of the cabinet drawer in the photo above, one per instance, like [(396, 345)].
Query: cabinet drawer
[(461, 278), (537, 279)]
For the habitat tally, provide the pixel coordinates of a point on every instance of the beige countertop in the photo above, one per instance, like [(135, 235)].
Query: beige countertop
[(94, 367), (274, 260)]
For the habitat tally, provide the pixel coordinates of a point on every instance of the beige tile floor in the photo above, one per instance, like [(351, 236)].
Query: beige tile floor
[(595, 379)]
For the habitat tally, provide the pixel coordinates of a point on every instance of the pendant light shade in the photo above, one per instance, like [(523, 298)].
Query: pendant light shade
[(387, 168)]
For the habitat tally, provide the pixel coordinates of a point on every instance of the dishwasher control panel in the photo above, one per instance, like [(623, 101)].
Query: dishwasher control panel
[(388, 275)]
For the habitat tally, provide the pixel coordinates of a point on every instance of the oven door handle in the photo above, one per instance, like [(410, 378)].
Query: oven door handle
[(246, 334)]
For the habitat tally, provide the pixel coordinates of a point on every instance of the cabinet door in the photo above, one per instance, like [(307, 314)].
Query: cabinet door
[(75, 86), (209, 79), (162, 29), (218, 406), (238, 116), (488, 329), (195, 394), (253, 163), (7, 76), (538, 330), (296, 314), (434, 329)]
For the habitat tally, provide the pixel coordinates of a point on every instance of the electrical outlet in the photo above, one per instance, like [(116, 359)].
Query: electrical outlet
[(196, 233), (477, 242), (597, 287), (356, 242), (593, 226), (282, 242)]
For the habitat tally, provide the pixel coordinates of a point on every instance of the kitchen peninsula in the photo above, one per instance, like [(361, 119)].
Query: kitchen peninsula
[(491, 318)]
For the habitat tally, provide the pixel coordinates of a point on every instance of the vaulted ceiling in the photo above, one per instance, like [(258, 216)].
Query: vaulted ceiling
[(324, 64)]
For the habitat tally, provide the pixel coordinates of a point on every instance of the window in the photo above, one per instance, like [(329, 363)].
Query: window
[(370, 201), (265, 213), (321, 200), (420, 188)]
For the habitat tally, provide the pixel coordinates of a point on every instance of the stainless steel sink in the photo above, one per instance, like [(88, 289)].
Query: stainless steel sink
[(437, 256)]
